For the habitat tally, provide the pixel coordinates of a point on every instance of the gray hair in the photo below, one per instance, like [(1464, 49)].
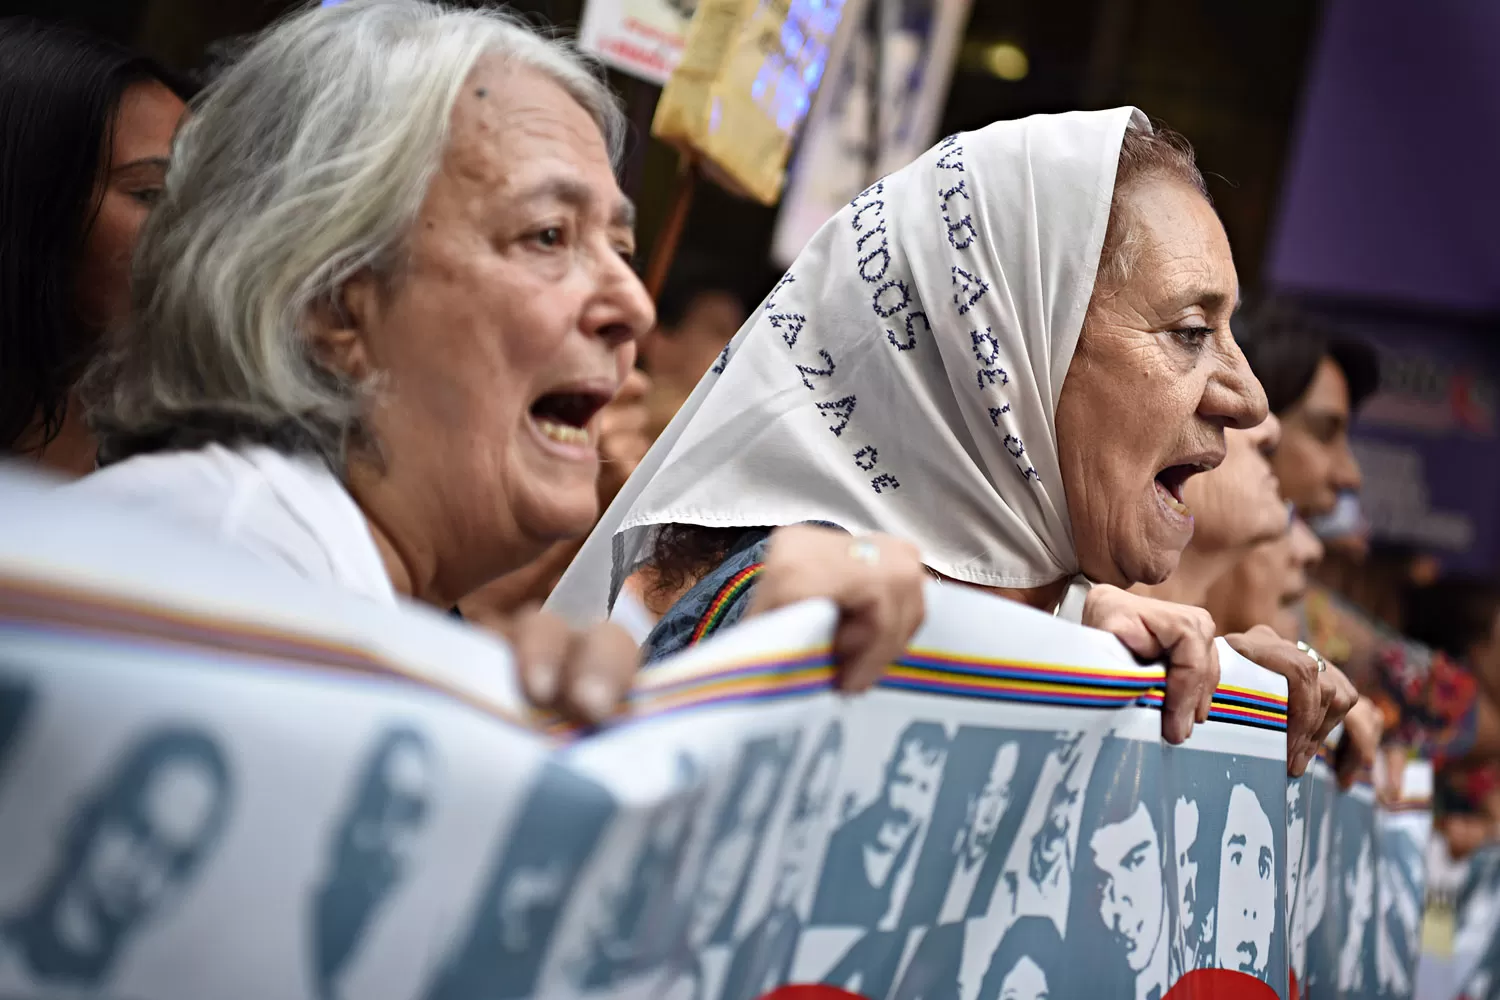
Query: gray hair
[(303, 164)]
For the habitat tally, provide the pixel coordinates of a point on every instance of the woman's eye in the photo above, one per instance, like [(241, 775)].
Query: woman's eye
[(552, 236), (1193, 336), (147, 196)]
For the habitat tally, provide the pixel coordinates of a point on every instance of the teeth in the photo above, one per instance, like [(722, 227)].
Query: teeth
[(562, 433), (1172, 501)]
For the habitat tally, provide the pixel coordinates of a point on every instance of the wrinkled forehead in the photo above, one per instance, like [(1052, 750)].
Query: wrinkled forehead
[(513, 127)]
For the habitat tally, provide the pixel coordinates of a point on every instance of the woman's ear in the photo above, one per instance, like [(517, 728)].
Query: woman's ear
[(339, 328)]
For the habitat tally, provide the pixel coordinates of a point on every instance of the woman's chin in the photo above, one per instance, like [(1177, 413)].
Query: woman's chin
[(561, 516)]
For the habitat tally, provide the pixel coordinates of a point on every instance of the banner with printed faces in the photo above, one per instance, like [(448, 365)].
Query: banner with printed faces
[(888, 75), (1358, 885), (1475, 953), (219, 781)]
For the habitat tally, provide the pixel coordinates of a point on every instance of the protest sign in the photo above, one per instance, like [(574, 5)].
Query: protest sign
[(744, 84), (1358, 885), (644, 38), (218, 780), (910, 46)]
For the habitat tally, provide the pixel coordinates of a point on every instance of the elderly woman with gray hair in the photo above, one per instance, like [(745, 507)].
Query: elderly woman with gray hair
[(384, 294)]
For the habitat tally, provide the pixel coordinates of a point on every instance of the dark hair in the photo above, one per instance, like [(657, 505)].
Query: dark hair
[(1285, 345), (1035, 938), (59, 92), (1452, 614)]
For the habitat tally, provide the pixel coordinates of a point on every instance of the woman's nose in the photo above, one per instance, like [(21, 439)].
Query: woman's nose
[(1234, 396)]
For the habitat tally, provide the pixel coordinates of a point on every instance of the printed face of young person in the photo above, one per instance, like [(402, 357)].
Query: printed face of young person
[(1129, 855), (1247, 886)]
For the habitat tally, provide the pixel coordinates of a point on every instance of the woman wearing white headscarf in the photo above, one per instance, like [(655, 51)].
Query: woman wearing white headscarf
[(1012, 352)]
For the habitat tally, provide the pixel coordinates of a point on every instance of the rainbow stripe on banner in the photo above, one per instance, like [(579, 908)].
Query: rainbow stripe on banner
[(922, 671)]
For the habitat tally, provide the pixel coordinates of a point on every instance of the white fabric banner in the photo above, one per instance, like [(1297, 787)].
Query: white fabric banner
[(217, 781)]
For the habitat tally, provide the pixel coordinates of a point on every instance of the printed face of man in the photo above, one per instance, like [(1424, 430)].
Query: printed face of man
[(911, 793), (992, 801), (130, 859), (798, 856), (1129, 854), (404, 776), (732, 854), (1296, 847), (1185, 830), (1247, 886)]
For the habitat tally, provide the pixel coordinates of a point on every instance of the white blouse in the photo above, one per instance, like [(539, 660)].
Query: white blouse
[(285, 509)]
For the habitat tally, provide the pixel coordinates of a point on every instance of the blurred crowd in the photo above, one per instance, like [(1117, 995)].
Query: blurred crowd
[(363, 303)]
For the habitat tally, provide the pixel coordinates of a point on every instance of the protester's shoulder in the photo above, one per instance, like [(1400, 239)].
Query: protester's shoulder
[(229, 494), (718, 600)]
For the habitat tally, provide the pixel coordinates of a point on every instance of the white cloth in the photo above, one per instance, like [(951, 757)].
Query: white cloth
[(284, 509), (903, 377)]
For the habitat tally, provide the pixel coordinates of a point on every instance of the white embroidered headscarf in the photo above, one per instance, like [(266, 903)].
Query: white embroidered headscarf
[(903, 377)]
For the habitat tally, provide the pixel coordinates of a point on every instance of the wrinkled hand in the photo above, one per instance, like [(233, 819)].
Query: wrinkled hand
[(1363, 728), (623, 430), (880, 602), (582, 675), (1153, 629), (1315, 702)]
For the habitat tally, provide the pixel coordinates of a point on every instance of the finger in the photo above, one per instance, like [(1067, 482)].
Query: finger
[(540, 643), (1192, 668), (1339, 695), (877, 624), (1187, 672), (1210, 683), (600, 667), (1305, 703)]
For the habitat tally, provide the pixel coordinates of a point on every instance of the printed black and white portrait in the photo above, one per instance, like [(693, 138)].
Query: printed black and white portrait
[(907, 28), (538, 860), (1120, 911), (137, 839), (763, 958), (1298, 834), (735, 838), (641, 917), (1029, 964), (990, 778), (1352, 878), (1322, 909), (371, 848), (1228, 863), (1401, 887), (870, 849), (1037, 875)]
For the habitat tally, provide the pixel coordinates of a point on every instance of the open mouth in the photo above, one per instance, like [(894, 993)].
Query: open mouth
[(564, 416), (1170, 481)]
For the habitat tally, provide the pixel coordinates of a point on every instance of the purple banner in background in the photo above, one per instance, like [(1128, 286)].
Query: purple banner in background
[(1428, 441), (1390, 191)]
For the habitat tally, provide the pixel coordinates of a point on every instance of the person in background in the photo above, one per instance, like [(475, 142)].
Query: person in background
[(698, 313), (1315, 381), (380, 303), (1460, 616), (1238, 512), (85, 136)]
